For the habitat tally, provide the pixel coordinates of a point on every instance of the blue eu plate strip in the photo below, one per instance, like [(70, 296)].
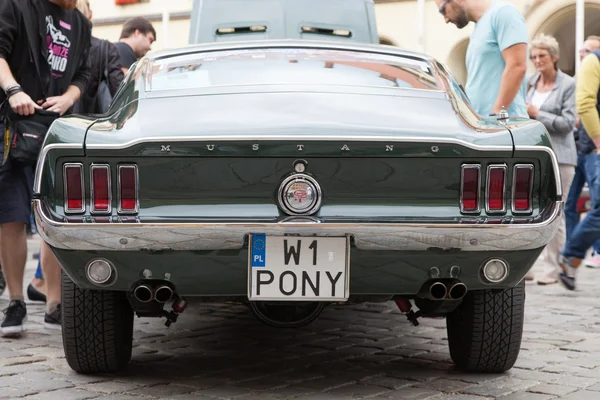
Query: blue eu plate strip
[(259, 245)]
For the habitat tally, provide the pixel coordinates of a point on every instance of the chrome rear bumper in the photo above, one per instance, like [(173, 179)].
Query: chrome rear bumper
[(231, 236)]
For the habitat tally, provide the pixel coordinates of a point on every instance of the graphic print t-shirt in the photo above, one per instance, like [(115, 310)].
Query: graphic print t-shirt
[(59, 37)]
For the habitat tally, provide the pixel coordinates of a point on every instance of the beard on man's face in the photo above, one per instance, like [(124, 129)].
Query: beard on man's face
[(461, 19), (66, 4)]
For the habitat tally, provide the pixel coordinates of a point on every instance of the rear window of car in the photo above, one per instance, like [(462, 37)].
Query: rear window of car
[(290, 66)]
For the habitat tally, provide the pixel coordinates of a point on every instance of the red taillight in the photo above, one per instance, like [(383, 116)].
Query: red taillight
[(73, 180), (495, 188), (522, 187), (100, 187), (128, 189), (469, 188)]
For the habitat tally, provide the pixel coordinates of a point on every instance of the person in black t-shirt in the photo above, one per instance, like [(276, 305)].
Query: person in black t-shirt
[(137, 37), (38, 70), (106, 72)]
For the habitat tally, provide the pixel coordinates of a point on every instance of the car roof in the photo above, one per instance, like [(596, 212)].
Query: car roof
[(231, 20)]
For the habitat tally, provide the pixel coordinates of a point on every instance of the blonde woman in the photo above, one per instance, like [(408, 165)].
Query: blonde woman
[(551, 100)]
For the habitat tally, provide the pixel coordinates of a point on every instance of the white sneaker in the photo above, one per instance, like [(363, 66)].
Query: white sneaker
[(593, 262)]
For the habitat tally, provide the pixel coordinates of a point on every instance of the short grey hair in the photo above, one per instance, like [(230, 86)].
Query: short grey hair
[(546, 42)]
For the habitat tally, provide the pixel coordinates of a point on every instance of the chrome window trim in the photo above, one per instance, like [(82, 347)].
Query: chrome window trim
[(514, 185), (92, 208), (137, 184), (461, 203), (67, 209), (298, 139), (487, 188)]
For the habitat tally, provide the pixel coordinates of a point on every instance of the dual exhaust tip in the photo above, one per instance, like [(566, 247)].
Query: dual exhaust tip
[(145, 294), (453, 291)]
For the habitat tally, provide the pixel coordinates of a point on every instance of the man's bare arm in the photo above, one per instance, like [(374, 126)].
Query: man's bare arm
[(515, 58), (20, 102), (6, 76)]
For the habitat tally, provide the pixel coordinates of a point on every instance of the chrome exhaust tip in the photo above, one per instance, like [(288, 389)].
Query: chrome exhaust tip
[(142, 293), (163, 294), (437, 291), (457, 291)]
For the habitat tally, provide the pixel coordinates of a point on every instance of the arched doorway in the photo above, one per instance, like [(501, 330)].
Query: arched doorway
[(387, 41), (456, 61), (561, 24)]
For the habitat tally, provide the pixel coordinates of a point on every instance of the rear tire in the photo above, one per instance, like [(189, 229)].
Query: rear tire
[(485, 330), (97, 328)]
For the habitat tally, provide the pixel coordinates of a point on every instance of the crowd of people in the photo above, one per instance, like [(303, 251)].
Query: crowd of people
[(568, 107), (68, 70), (50, 65)]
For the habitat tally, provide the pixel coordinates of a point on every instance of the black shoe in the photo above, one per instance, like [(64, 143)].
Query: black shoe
[(2, 282), (52, 320), (567, 281), (35, 295), (14, 319), (569, 267)]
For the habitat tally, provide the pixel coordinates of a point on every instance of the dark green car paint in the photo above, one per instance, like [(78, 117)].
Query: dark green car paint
[(417, 181), (225, 272), (381, 189)]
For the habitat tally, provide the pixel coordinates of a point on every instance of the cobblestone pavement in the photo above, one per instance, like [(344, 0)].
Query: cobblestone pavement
[(367, 351)]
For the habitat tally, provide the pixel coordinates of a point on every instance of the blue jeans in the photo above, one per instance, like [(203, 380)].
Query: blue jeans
[(584, 172), (587, 232), (38, 271)]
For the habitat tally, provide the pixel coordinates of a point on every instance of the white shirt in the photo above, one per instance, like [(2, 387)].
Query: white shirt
[(539, 98)]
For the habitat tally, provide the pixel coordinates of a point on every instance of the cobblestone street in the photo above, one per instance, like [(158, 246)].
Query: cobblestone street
[(369, 351)]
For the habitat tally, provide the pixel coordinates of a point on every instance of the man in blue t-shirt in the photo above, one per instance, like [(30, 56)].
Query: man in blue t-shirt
[(496, 56)]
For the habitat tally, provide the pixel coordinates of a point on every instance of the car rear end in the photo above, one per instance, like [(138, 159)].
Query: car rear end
[(291, 176), (223, 145)]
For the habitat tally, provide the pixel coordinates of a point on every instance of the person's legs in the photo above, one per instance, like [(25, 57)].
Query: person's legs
[(550, 254), (591, 179), (13, 255), (52, 276), (2, 282), (586, 233), (16, 184), (571, 214), (36, 291)]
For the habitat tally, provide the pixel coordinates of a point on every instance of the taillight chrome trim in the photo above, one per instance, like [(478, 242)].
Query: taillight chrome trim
[(514, 186), (487, 189), (461, 188), (94, 167), (65, 197), (137, 184)]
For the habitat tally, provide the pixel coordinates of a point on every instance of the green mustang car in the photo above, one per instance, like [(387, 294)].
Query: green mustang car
[(290, 175)]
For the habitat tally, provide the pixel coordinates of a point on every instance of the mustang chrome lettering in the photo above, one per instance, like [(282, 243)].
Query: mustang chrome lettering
[(389, 147), (345, 148), (300, 147), (165, 148), (254, 147), (210, 147)]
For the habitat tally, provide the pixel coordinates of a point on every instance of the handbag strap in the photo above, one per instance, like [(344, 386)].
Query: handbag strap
[(103, 71)]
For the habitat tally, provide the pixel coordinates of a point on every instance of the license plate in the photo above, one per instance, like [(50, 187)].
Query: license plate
[(298, 268)]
